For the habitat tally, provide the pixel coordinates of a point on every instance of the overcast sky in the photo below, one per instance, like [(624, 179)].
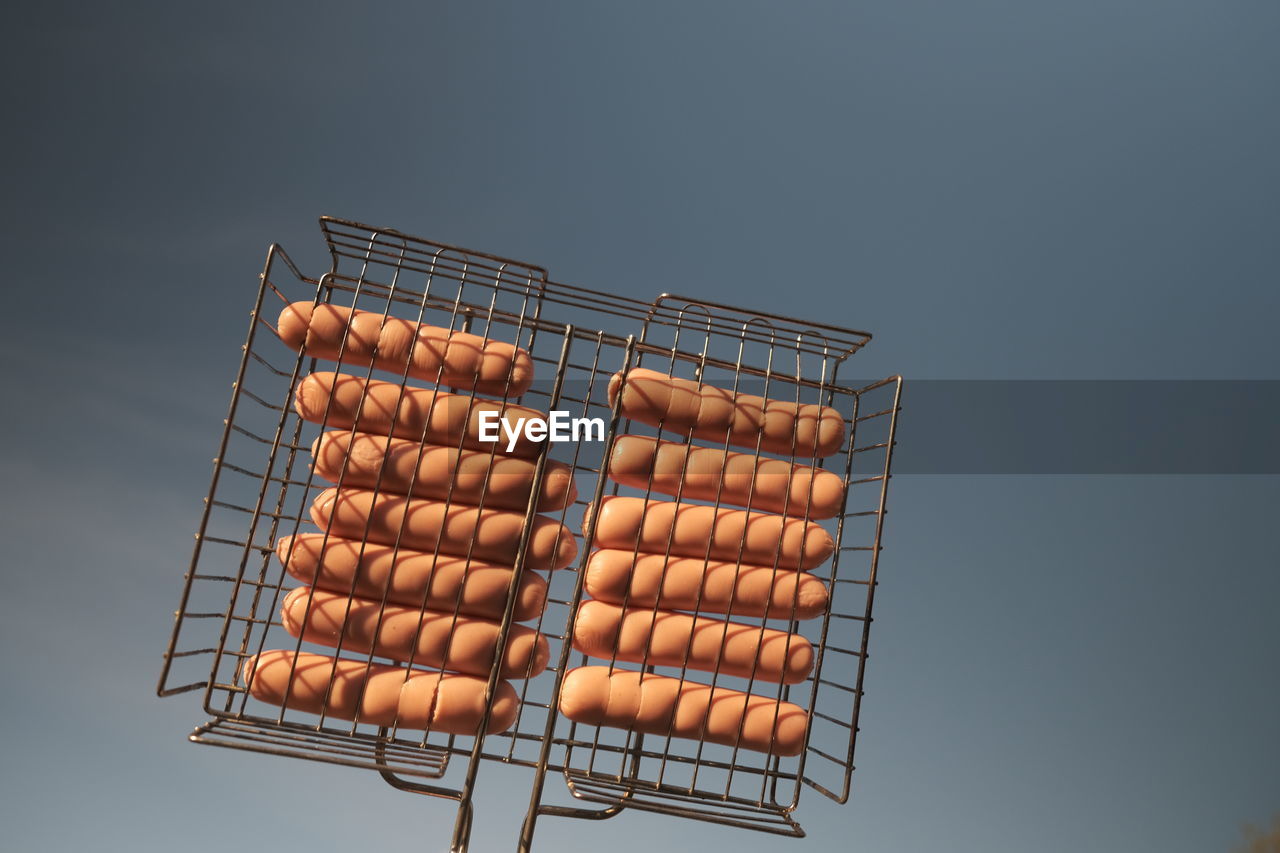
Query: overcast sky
[(1062, 660)]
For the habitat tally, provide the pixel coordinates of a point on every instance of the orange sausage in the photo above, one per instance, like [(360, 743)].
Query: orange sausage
[(656, 704), (409, 635), (492, 535), (373, 406), (675, 583), (715, 414), (664, 638), (691, 530), (378, 694), (408, 577), (431, 353), (715, 474), (437, 471)]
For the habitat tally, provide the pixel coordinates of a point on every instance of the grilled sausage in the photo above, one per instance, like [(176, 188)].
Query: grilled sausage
[(437, 471), (715, 474), (492, 535), (689, 583), (690, 530), (665, 638), (410, 635), (392, 343), (656, 704), (378, 694), (417, 414), (686, 407), (411, 578)]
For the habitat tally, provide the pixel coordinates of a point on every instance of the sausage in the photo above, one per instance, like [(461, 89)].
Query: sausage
[(411, 578), (665, 638), (674, 583), (381, 408), (711, 533), (715, 414), (428, 638), (656, 704), (438, 471), (492, 535), (715, 474), (391, 343), (378, 694)]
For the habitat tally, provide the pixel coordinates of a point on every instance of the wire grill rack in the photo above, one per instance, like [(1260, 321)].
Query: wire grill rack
[(578, 339)]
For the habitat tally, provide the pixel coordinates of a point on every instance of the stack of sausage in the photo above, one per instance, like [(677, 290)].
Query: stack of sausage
[(659, 557), (421, 534)]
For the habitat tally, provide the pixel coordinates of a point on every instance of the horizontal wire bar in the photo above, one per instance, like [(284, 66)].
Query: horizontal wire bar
[(832, 719)]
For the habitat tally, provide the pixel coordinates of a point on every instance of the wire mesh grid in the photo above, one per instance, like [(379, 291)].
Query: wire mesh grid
[(263, 483), (749, 355)]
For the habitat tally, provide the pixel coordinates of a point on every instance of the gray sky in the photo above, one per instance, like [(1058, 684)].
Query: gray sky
[(996, 190)]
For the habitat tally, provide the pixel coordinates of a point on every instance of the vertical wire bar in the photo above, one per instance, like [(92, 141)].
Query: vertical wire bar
[(774, 570), (573, 466), (871, 583), (436, 393), (834, 576), (784, 689), (215, 477), (274, 449), (544, 753), (715, 675), (281, 499), (613, 659), (297, 650), (462, 827)]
